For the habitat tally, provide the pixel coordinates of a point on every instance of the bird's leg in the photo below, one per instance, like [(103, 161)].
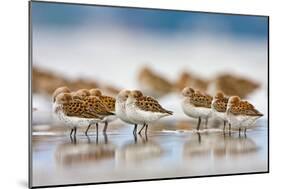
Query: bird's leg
[(146, 129), (142, 128), (135, 129), (75, 132), (229, 128), (105, 138), (86, 132), (97, 129), (239, 131), (71, 132), (224, 123), (245, 131), (105, 126), (198, 124)]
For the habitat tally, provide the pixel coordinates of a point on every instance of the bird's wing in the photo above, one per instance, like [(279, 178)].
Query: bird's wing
[(148, 103), (200, 100), (109, 102), (78, 108)]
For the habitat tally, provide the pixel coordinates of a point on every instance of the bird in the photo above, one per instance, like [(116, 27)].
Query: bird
[(108, 102), (196, 105), (75, 112), (241, 113), (154, 84), (219, 105), (98, 107), (144, 109), (120, 108)]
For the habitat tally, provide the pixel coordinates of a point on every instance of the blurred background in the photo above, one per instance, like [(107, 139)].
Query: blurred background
[(159, 52)]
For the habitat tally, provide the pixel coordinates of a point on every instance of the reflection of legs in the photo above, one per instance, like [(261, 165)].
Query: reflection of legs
[(199, 137), (105, 126), (198, 124), (142, 128), (135, 129), (245, 130), (206, 123), (86, 132)]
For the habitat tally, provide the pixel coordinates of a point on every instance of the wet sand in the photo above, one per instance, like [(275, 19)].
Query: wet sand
[(168, 150)]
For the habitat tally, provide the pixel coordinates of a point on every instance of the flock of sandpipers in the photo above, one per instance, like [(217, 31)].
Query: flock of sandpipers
[(90, 107)]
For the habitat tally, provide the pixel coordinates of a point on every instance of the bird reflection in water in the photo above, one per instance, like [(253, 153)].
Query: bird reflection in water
[(138, 150), (218, 145), (84, 151)]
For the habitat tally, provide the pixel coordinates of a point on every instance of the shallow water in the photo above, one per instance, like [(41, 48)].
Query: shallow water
[(171, 150)]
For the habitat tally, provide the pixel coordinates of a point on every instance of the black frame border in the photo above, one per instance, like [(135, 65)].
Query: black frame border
[(30, 60)]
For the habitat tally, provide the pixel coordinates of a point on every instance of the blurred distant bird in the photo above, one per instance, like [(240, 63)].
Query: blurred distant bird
[(153, 84), (120, 108), (196, 105), (108, 102), (241, 114), (187, 79), (219, 105), (144, 109)]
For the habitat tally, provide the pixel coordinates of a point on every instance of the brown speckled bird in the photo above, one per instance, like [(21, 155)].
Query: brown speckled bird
[(75, 112), (219, 105), (109, 102), (241, 114), (144, 109), (196, 104), (93, 101)]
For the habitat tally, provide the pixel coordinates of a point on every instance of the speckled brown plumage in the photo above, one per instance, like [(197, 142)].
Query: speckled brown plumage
[(201, 100), (79, 108), (95, 104), (245, 108), (220, 103), (239, 107), (109, 102), (147, 103)]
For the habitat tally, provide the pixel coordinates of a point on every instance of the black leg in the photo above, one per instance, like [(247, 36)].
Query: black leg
[(86, 132), (135, 129), (142, 128), (198, 124), (75, 132), (97, 129), (224, 123), (105, 126), (245, 131), (71, 132), (229, 128), (146, 129)]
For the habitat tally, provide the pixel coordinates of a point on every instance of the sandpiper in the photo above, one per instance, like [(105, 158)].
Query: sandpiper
[(74, 112), (96, 104), (241, 113), (144, 109), (120, 108), (196, 105), (109, 102), (219, 105)]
